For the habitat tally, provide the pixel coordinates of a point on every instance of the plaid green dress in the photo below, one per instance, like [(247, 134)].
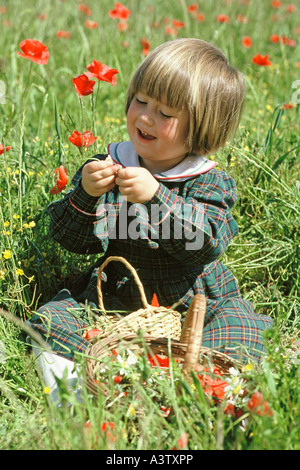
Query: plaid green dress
[(174, 241)]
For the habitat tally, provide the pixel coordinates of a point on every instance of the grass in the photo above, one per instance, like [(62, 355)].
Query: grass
[(41, 110)]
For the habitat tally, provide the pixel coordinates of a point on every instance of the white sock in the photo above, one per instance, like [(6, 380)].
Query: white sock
[(51, 365)]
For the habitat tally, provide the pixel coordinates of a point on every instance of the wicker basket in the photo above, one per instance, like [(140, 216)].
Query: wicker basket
[(188, 349), (156, 321)]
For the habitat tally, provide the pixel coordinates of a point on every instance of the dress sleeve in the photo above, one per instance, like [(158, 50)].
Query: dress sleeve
[(199, 225), (73, 220)]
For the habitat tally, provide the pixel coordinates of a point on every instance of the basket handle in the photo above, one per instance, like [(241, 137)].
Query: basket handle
[(133, 272), (192, 331)]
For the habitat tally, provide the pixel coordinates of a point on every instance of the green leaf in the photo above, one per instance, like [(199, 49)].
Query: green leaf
[(270, 378)]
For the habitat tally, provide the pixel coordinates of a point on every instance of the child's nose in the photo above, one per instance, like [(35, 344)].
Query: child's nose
[(147, 117)]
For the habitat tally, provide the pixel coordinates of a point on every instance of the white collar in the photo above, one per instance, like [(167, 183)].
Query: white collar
[(124, 154)]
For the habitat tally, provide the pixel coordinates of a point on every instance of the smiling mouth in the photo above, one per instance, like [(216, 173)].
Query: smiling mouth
[(145, 135)]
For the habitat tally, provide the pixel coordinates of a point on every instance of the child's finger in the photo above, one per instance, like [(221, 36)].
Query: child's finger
[(127, 173), (97, 172), (110, 171), (97, 165)]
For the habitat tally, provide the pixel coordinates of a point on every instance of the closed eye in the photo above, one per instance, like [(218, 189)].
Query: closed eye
[(140, 101), (165, 116)]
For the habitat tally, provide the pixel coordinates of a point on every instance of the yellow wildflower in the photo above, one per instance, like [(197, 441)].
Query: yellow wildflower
[(47, 390), (6, 254), (131, 411), (247, 367), (19, 272), (2, 274), (237, 389)]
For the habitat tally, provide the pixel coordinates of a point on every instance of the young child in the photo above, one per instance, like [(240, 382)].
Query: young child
[(160, 203)]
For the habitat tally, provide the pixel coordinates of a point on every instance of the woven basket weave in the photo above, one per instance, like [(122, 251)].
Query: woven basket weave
[(188, 349), (156, 321)]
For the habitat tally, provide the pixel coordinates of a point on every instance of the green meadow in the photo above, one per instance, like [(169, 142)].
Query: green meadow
[(40, 109)]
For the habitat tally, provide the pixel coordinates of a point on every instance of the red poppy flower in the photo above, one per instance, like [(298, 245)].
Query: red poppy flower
[(105, 428), (288, 106), (165, 410), (288, 41), (92, 333), (158, 361), (258, 59), (42, 16), (242, 19), (275, 38), (170, 30), (259, 405), (85, 9), (62, 180), (215, 387), (83, 85), (123, 26), (107, 424), (82, 139), (178, 24), (192, 8), (223, 19), (120, 12), (146, 46), (91, 24), (34, 50), (102, 72), (276, 4), (247, 41), (2, 149), (231, 410), (291, 8), (117, 379), (154, 301), (182, 442), (63, 34)]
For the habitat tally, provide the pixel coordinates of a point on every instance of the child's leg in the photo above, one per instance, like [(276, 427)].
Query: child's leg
[(236, 330), (60, 322)]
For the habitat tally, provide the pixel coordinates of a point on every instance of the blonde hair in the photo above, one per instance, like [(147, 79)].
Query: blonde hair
[(194, 75)]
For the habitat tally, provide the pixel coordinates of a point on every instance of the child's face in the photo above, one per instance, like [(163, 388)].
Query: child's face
[(157, 132)]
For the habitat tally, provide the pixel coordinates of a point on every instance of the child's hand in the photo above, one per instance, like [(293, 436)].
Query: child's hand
[(98, 177), (136, 184)]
